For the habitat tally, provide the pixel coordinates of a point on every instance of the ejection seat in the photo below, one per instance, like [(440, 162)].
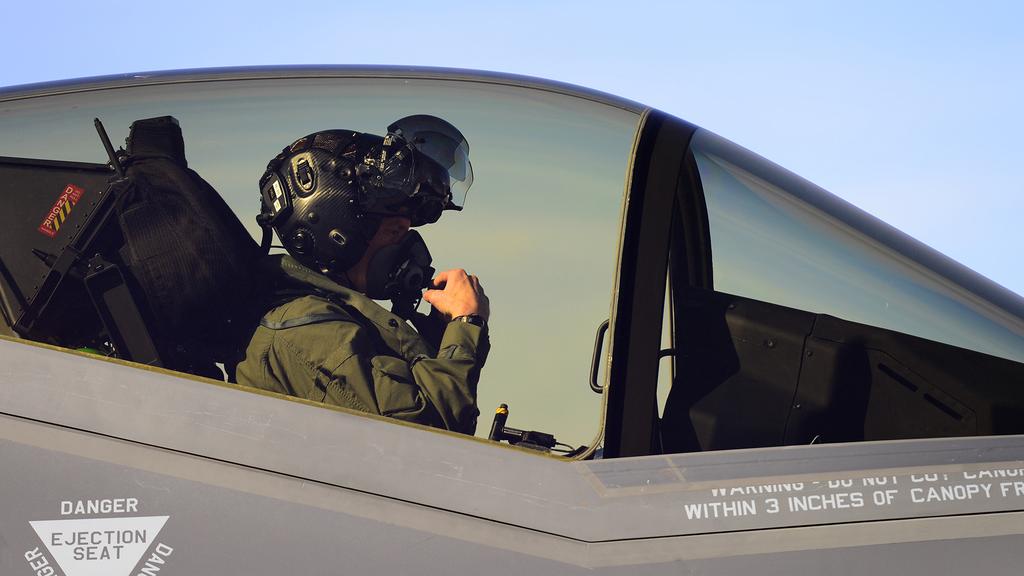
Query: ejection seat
[(140, 258)]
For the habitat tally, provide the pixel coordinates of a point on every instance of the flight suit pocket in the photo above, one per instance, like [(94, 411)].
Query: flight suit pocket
[(455, 352), (337, 393), (394, 386)]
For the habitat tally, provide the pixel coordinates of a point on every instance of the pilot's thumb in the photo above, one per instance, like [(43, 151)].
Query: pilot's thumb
[(430, 295)]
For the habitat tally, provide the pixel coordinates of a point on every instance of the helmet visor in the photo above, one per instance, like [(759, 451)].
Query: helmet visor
[(442, 143)]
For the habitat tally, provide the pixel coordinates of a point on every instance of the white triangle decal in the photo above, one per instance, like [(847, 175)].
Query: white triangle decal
[(99, 546)]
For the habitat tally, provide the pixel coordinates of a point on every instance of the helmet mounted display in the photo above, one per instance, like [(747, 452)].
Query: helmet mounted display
[(326, 194), (445, 145)]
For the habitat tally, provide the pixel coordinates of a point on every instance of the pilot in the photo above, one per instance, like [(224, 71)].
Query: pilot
[(343, 203)]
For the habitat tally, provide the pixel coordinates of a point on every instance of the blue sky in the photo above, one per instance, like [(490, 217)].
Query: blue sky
[(910, 111)]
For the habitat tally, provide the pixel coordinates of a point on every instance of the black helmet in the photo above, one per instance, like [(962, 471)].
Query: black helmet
[(326, 193)]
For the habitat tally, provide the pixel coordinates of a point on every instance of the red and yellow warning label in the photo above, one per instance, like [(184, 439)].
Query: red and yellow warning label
[(61, 210)]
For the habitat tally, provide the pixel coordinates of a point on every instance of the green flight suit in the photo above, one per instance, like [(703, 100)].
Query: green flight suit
[(339, 347)]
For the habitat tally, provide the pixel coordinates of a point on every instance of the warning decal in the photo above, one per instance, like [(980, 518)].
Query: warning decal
[(61, 210), (99, 546)]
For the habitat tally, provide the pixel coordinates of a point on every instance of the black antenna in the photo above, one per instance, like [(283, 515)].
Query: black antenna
[(115, 163)]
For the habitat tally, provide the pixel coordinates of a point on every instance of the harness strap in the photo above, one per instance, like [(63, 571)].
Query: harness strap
[(304, 321)]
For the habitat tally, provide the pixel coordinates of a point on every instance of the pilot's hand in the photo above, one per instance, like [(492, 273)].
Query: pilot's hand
[(458, 294)]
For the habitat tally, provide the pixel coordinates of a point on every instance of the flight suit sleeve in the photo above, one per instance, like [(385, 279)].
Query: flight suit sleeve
[(438, 391), (316, 350)]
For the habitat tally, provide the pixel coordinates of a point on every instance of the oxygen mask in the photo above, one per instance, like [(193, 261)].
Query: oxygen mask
[(400, 272)]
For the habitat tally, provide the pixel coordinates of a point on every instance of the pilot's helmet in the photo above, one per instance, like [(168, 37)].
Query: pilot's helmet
[(326, 193)]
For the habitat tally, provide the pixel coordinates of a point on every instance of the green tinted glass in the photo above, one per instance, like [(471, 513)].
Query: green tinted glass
[(770, 244), (540, 229)]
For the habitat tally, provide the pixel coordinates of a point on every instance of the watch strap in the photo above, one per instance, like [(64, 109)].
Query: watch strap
[(475, 319)]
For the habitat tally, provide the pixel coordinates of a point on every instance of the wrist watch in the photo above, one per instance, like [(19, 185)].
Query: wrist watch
[(475, 319)]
